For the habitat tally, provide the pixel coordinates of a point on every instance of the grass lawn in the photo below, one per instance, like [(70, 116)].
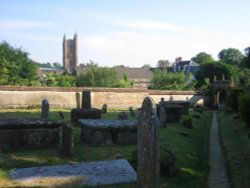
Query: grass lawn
[(236, 148), (189, 145)]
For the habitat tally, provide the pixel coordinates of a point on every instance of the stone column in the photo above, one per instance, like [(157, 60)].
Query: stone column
[(148, 174), (45, 109)]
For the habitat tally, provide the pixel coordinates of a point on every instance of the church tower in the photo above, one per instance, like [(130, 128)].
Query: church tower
[(70, 54)]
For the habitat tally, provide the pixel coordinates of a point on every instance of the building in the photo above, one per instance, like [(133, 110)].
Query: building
[(70, 54)]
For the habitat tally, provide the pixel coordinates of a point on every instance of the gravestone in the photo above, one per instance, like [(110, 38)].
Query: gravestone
[(86, 99), (162, 116), (148, 174), (123, 115), (78, 100), (45, 109), (131, 111), (68, 140), (104, 108)]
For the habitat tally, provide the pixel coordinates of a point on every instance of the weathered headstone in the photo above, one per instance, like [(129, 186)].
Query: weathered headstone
[(123, 115), (86, 99), (68, 140), (78, 100), (45, 109), (131, 111), (162, 116), (104, 108), (148, 174), (61, 114)]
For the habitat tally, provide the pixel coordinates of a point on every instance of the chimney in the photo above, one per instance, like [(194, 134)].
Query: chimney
[(178, 60)]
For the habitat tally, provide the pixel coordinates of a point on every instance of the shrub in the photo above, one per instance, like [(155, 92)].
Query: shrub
[(233, 98), (244, 108)]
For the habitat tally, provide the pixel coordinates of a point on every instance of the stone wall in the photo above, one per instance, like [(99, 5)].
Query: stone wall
[(11, 97)]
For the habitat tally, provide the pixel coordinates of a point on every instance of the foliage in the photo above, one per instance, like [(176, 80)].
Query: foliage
[(165, 80), (15, 66), (233, 97), (209, 70), (102, 77), (231, 56), (244, 108), (246, 62), (202, 58), (146, 66), (53, 80), (163, 63)]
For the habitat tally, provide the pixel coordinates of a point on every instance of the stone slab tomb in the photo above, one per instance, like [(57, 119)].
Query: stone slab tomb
[(108, 132), (17, 134)]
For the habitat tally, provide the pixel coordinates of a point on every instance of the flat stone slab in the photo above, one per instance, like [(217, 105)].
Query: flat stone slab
[(108, 123), (94, 173)]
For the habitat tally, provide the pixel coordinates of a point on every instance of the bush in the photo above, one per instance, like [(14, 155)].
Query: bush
[(244, 108), (233, 98)]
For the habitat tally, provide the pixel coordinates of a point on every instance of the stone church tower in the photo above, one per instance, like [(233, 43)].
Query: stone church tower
[(70, 54)]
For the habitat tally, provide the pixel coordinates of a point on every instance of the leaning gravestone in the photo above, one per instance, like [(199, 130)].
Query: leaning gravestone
[(45, 109), (148, 174)]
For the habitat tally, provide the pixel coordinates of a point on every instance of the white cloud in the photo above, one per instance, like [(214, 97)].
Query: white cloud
[(13, 25), (151, 25)]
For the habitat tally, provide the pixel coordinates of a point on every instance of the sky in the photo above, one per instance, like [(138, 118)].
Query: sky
[(125, 32)]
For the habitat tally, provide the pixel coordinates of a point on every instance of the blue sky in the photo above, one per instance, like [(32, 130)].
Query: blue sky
[(127, 32)]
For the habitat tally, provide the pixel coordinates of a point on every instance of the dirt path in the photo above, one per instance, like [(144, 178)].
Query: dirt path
[(217, 177)]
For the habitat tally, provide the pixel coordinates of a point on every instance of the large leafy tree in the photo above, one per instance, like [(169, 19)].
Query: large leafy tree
[(247, 58), (231, 56), (164, 80), (202, 58), (216, 68), (163, 63), (15, 66), (102, 77)]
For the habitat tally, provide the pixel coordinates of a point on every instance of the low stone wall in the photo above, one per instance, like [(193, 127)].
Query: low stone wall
[(16, 134), (11, 97)]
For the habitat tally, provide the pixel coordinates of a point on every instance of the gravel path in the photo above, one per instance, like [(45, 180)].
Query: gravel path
[(217, 177)]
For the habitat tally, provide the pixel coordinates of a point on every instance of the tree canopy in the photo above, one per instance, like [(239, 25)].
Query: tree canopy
[(231, 56), (164, 80), (15, 66), (202, 58), (163, 63), (102, 77)]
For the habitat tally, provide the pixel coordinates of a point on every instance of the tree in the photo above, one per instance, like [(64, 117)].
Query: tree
[(209, 70), (231, 56), (57, 65), (102, 77), (146, 66), (163, 63), (247, 58), (202, 58), (16, 67), (165, 80)]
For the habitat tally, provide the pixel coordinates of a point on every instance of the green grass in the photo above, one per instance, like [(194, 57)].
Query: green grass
[(236, 148), (191, 151)]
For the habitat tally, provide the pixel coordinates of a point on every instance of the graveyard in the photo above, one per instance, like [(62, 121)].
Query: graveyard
[(179, 155)]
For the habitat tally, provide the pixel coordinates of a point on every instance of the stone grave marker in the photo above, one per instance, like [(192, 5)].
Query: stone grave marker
[(148, 174), (78, 100), (131, 111), (86, 99), (104, 108), (68, 140), (45, 109), (123, 115), (162, 116)]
